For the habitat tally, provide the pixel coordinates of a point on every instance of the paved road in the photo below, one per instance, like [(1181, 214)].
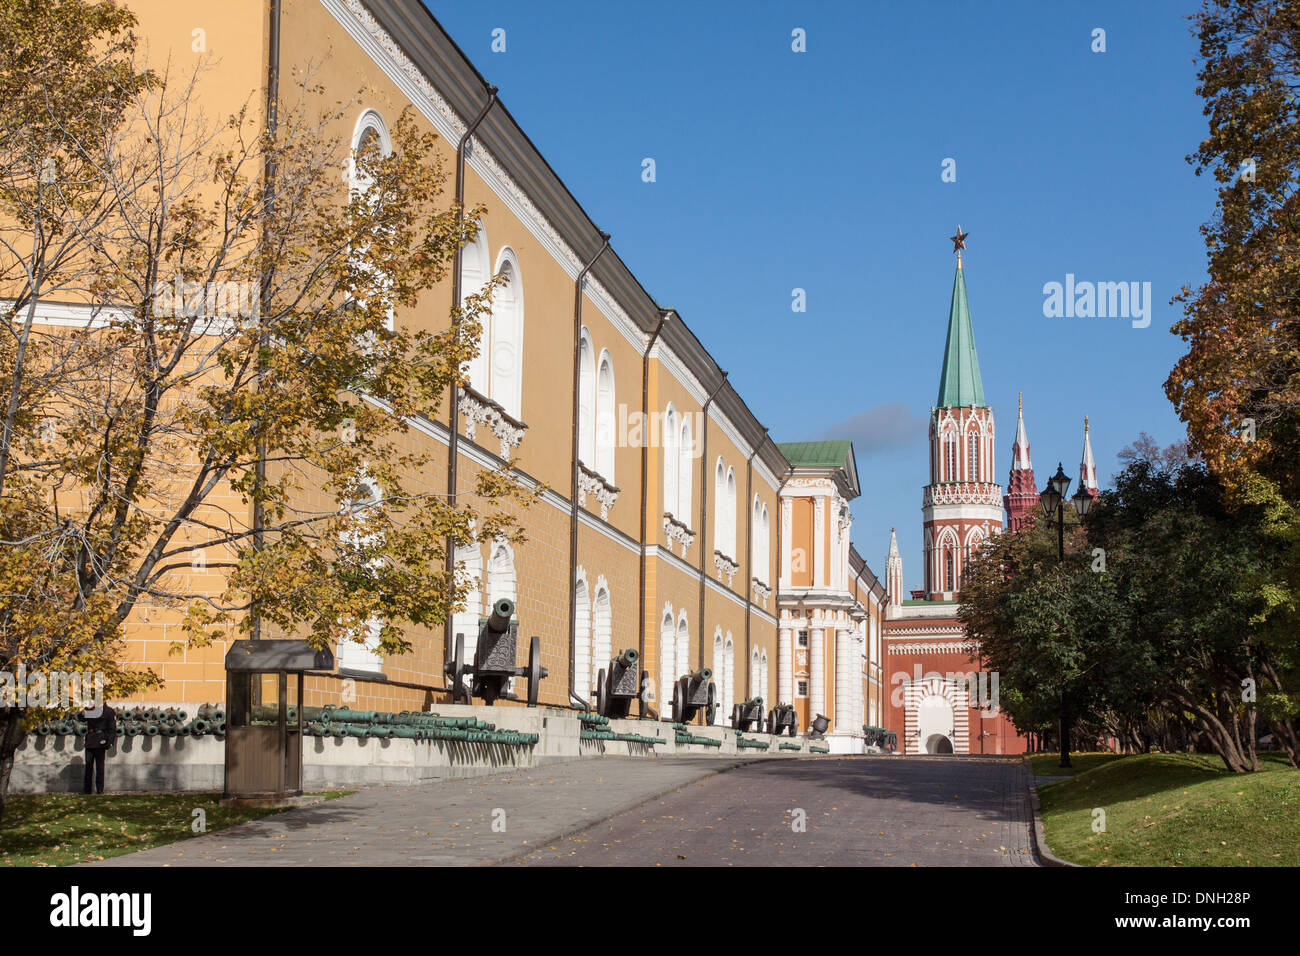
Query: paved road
[(863, 811), (440, 824)]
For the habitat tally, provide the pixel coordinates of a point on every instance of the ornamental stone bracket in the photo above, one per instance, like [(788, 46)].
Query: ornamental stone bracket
[(590, 483), (761, 592), (725, 565), (677, 532), (478, 409)]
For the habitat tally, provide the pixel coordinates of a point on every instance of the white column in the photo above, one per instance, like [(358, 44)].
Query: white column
[(844, 667), (786, 544), (862, 668), (819, 542), (784, 667), (816, 673)]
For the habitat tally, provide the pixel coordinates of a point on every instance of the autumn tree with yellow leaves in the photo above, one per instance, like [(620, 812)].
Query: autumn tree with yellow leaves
[(228, 388)]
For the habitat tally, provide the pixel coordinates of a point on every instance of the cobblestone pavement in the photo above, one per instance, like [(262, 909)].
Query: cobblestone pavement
[(863, 811), (890, 811)]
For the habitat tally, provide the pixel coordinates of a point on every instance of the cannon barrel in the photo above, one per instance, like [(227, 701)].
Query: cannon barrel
[(503, 609), (704, 673), (752, 702), (628, 657)]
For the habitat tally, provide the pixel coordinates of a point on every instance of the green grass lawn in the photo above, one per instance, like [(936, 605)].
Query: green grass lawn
[(55, 829), (1048, 765), (1174, 810)]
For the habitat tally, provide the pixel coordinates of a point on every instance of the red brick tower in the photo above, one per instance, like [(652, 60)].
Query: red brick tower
[(1022, 492)]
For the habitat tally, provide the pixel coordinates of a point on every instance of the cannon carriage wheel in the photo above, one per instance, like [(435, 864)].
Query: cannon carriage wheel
[(535, 670), (602, 695), (677, 703), (711, 708)]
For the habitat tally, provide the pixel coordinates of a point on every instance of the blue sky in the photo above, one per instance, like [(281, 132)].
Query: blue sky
[(821, 170)]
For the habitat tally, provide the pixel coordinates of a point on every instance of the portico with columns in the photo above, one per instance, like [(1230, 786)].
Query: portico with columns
[(828, 598)]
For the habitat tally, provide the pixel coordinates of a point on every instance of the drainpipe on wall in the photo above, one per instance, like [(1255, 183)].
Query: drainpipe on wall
[(749, 550), (453, 416), (645, 473), (268, 177), (573, 484), (704, 506)]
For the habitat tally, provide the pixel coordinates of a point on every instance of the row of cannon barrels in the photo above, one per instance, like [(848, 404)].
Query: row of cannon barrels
[(596, 727), (749, 743), (341, 722), (145, 722), (684, 736)]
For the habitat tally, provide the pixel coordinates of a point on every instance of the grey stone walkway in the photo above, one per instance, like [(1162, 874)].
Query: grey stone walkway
[(863, 811), (447, 823)]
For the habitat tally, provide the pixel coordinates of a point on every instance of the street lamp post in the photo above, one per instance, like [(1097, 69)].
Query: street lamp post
[(1052, 500)]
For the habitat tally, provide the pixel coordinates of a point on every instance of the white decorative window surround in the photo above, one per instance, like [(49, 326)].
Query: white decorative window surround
[(478, 409), (678, 533), (390, 57), (725, 565), (590, 483), (761, 592)]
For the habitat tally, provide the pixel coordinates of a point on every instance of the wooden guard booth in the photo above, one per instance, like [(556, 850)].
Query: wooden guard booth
[(263, 746)]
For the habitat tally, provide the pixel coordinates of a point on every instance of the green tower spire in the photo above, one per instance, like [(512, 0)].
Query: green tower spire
[(960, 385)]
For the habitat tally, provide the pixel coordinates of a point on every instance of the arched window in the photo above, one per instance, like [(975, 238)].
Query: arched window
[(756, 540), (469, 564), (605, 426), (602, 630), (729, 668), (508, 336), (583, 674), (370, 131), (973, 455), (667, 660), (763, 679), (355, 543), (671, 461), (719, 677), (586, 401), (719, 507), (950, 456), (731, 513), (949, 569), (765, 562), (755, 675), (683, 649), (685, 471), (475, 266), (501, 572)]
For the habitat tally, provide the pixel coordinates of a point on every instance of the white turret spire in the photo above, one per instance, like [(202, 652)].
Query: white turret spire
[(1020, 451), (894, 571), (1088, 464)]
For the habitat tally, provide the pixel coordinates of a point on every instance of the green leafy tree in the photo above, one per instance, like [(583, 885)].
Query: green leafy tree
[(1197, 573), (1049, 628)]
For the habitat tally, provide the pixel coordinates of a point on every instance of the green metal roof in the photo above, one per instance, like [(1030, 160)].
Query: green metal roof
[(960, 385), (832, 453), (816, 454)]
